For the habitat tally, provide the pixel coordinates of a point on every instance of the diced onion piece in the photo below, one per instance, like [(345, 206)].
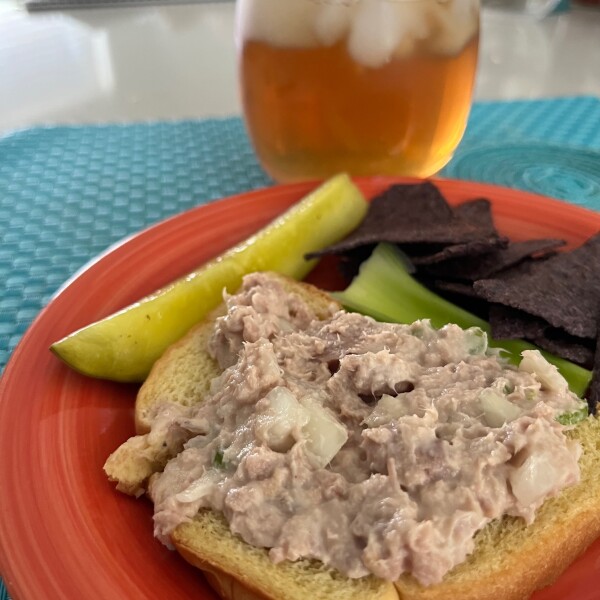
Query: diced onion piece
[(497, 409), (286, 419), (199, 488), (386, 410), (275, 425), (533, 362), (537, 477), (324, 434)]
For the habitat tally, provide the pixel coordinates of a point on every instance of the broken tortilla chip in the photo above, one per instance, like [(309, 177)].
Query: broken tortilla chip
[(483, 266), (510, 323), (463, 251), (479, 212), (563, 289)]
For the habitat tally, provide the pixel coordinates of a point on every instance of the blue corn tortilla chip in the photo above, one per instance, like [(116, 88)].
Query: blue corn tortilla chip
[(525, 289), (563, 289), (509, 323), (577, 350), (453, 287), (417, 214), (457, 252), (484, 265), (349, 262), (458, 293), (478, 211), (512, 324)]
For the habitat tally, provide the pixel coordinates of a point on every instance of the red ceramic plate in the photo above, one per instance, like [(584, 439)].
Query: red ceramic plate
[(64, 531)]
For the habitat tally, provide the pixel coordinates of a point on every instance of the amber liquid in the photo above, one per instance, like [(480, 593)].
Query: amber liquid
[(313, 112)]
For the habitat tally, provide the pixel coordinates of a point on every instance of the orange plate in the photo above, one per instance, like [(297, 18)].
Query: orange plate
[(64, 531)]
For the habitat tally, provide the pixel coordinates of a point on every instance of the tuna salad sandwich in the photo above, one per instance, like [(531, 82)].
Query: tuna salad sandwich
[(295, 450)]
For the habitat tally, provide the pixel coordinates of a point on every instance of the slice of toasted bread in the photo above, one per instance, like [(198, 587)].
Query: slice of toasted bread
[(510, 560)]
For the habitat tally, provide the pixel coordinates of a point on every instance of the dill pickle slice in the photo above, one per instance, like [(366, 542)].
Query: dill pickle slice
[(124, 346)]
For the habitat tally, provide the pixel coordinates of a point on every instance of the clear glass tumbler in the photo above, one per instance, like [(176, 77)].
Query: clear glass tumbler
[(369, 87)]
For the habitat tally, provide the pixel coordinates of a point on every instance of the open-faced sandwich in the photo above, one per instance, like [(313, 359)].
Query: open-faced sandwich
[(293, 450)]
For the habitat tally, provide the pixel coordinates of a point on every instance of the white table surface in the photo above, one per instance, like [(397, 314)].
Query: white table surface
[(159, 62)]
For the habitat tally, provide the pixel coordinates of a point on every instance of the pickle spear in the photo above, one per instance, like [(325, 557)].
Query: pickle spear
[(124, 346)]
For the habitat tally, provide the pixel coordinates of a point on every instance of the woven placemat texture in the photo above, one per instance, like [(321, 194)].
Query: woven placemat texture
[(67, 193), (548, 146)]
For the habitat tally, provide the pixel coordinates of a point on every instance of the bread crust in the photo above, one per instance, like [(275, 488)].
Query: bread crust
[(178, 358)]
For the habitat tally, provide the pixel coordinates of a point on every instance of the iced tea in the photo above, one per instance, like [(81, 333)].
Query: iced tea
[(370, 87)]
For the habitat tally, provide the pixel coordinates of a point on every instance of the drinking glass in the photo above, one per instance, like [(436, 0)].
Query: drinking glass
[(369, 87)]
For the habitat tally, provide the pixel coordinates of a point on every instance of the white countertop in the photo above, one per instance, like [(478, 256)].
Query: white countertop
[(174, 62)]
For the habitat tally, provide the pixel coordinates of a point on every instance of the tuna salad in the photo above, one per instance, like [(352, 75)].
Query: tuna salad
[(375, 448)]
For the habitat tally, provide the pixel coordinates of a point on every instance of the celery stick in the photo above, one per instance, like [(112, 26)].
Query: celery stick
[(385, 290)]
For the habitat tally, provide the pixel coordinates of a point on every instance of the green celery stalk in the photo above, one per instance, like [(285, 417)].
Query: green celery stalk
[(385, 290)]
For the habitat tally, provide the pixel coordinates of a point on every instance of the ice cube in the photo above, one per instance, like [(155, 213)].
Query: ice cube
[(383, 29), (333, 22), (289, 23), (457, 23)]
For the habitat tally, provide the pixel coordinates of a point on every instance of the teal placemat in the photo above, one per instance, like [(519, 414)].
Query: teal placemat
[(548, 146), (67, 193)]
